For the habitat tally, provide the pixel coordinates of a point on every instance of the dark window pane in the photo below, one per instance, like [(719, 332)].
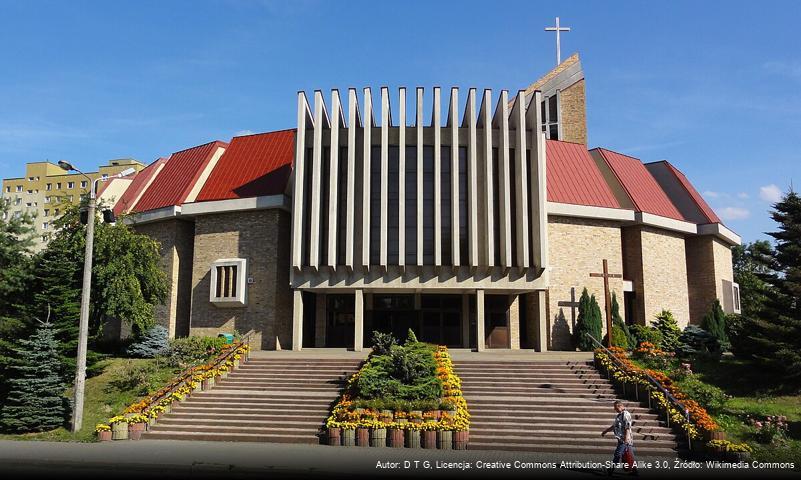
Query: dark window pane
[(411, 205), (445, 204), (428, 205), (375, 206)]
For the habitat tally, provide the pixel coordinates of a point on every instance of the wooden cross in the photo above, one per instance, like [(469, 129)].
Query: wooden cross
[(608, 298)]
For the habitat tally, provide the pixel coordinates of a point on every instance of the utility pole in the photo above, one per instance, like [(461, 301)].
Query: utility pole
[(83, 324)]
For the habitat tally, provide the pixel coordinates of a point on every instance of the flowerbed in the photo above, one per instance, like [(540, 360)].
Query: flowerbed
[(143, 414), (445, 427), (700, 424)]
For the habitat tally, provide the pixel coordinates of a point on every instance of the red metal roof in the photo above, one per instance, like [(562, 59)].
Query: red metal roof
[(642, 188), (138, 184), (177, 178), (252, 166), (573, 177), (697, 198)]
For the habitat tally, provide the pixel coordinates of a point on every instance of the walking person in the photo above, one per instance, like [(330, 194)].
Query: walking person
[(621, 428)]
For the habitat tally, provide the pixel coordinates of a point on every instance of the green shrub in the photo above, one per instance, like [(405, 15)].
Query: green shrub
[(189, 350), (714, 322), (696, 342), (407, 373), (150, 343), (669, 328), (135, 376), (709, 396), (383, 342), (411, 337), (619, 337), (644, 333), (737, 329)]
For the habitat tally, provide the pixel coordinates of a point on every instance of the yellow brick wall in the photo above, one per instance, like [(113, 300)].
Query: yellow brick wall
[(577, 248), (574, 113)]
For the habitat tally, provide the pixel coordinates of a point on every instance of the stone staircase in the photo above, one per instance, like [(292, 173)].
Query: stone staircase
[(550, 406), (264, 400)]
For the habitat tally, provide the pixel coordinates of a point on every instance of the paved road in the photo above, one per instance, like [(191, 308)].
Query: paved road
[(168, 459)]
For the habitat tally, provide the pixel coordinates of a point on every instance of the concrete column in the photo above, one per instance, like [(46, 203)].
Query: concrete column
[(354, 121), (337, 119), (488, 197), (402, 177), (317, 159), (366, 193), (385, 124), (472, 176), (480, 338), (297, 320), (304, 122), (501, 121), (518, 121), (319, 320), (419, 146), (358, 321), (437, 180), (514, 323), (453, 123), (541, 338), (465, 320)]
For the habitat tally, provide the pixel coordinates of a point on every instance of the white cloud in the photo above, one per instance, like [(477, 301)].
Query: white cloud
[(244, 132), (743, 195), (711, 194), (734, 213), (770, 193)]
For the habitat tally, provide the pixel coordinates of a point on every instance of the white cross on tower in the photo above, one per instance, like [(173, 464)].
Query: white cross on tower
[(557, 29)]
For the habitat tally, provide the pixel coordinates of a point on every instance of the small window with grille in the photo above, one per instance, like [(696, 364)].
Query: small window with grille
[(735, 295), (228, 282)]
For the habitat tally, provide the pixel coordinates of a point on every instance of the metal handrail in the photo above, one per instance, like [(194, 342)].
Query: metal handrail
[(651, 379), (188, 373)]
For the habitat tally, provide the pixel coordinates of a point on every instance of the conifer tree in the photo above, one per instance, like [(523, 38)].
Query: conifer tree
[(623, 338), (36, 399), (669, 328), (589, 321), (714, 322), (777, 333)]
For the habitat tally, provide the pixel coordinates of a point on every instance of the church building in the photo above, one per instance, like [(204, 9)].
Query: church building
[(473, 217)]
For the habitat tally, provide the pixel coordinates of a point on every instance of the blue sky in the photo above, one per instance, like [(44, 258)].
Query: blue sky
[(714, 87)]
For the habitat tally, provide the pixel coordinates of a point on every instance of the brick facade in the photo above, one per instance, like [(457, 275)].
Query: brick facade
[(655, 263), (573, 103), (709, 268), (262, 238), (577, 248), (176, 239)]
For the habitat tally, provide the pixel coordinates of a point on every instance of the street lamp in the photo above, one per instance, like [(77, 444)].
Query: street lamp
[(83, 327)]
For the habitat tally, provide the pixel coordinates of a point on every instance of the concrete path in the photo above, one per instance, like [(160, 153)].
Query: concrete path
[(170, 459)]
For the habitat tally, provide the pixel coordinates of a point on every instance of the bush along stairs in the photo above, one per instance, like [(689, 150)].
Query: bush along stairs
[(548, 406), (267, 399)]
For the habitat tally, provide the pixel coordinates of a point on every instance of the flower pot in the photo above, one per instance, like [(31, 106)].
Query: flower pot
[(385, 419), (445, 440), (207, 383), (119, 431), (429, 439), (135, 430), (412, 438), (451, 413), (236, 363), (362, 437), (396, 438), (378, 437), (151, 423), (710, 435), (460, 440), (386, 412), (403, 420), (104, 436), (349, 438), (335, 436)]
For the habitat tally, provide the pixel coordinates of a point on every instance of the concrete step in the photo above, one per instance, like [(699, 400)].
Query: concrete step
[(543, 396), (524, 362), (513, 386), (280, 388), (534, 438), (556, 447), (512, 369), (300, 383), (288, 376), (234, 429), (560, 417), (288, 423), (576, 422), (512, 430), (235, 403), (257, 416), (231, 437), (533, 376)]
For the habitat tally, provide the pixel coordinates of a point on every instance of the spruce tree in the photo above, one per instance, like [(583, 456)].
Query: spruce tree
[(588, 322), (777, 333), (152, 342), (36, 399), (714, 322), (669, 328)]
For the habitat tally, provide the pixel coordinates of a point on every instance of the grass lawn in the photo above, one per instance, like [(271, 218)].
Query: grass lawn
[(757, 393), (104, 398)]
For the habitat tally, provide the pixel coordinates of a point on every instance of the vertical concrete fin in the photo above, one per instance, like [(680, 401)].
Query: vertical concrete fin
[(304, 122), (315, 232), (437, 124), (368, 126), (401, 176), (337, 119), (518, 121), (472, 176), (488, 197), (385, 125), (453, 120), (538, 216), (501, 121), (354, 122), (419, 194)]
